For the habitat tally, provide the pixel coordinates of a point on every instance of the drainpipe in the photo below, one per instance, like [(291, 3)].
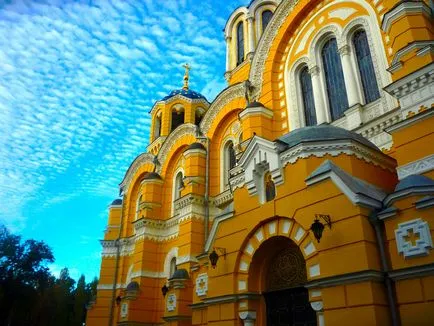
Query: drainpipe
[(206, 222), (118, 254), (391, 298)]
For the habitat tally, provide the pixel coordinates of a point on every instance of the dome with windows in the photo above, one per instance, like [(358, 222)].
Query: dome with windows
[(188, 93)]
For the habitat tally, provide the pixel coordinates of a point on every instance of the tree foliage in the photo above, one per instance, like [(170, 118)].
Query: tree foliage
[(30, 295)]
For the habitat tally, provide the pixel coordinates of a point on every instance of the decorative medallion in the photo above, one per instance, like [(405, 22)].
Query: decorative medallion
[(202, 284), (124, 310), (287, 269), (171, 302), (413, 238)]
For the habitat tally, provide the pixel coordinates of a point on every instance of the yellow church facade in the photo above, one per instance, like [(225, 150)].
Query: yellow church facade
[(302, 195)]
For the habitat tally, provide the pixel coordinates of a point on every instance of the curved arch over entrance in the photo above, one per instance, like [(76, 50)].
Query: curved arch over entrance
[(277, 259), (278, 270)]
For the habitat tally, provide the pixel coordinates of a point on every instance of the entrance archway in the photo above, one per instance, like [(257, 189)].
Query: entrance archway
[(279, 269), (277, 259)]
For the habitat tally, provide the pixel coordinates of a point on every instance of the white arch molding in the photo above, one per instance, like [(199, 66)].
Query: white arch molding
[(173, 253)]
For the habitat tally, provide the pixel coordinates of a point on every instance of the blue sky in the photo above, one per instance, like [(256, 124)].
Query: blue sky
[(77, 79)]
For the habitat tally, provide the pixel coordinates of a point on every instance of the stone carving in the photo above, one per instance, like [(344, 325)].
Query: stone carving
[(202, 284), (171, 302), (413, 238)]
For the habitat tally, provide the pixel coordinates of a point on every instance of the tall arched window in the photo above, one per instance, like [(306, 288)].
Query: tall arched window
[(240, 43), (229, 161), (366, 68), (266, 17), (177, 118), (337, 93), (308, 100), (139, 200), (172, 266), (178, 186), (157, 125)]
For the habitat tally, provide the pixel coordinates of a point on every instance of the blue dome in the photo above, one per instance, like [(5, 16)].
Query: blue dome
[(188, 93)]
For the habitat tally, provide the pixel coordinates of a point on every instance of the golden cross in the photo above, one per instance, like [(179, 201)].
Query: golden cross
[(186, 75), (412, 237)]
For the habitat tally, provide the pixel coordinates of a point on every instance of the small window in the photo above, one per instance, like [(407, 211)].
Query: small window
[(336, 91), (266, 17), (139, 201), (307, 96), (229, 161), (178, 185), (177, 118), (157, 125), (172, 266), (240, 43), (198, 116), (366, 67)]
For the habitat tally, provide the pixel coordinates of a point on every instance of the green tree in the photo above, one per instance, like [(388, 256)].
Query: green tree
[(23, 275), (80, 300)]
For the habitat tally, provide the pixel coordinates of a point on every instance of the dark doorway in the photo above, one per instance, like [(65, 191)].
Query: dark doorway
[(289, 308)]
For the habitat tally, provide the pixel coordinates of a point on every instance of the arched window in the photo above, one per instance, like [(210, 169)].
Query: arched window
[(157, 125), (366, 68), (270, 187), (266, 17), (199, 113), (240, 43), (229, 161), (139, 200), (178, 186), (177, 118), (172, 266), (307, 95), (337, 94)]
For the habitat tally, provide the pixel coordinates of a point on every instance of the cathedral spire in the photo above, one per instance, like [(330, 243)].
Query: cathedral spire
[(186, 76)]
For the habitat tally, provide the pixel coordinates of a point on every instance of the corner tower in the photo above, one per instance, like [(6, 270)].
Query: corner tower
[(178, 107)]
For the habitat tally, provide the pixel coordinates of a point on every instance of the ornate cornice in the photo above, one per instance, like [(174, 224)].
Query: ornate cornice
[(420, 166), (172, 138), (265, 43), (134, 167), (179, 97), (404, 9), (227, 95)]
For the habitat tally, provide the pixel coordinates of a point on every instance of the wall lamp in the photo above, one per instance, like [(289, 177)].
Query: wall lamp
[(214, 257), (118, 300), (317, 227), (164, 290)]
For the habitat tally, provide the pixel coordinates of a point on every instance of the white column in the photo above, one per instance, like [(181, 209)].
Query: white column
[(349, 76), (248, 317), (251, 34), (320, 107), (228, 53)]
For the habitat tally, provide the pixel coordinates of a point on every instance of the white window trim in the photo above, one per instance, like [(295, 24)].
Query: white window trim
[(177, 171), (173, 253), (313, 59), (258, 19), (224, 173)]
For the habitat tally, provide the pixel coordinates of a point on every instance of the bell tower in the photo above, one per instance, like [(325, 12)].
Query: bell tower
[(180, 106)]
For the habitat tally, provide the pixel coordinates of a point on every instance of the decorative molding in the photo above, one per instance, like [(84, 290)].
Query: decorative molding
[(349, 278), (414, 91), (171, 302), (396, 63), (176, 98), (156, 230), (405, 8), (227, 95), (172, 138), (337, 147), (420, 166), (412, 272), (425, 202), (134, 167), (214, 228), (409, 121), (258, 110), (223, 198), (416, 231), (202, 284)]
